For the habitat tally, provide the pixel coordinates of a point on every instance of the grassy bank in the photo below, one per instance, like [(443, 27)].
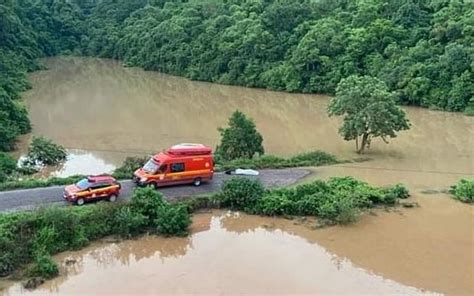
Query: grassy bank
[(338, 201), (313, 158), (28, 239), (32, 237), (125, 171)]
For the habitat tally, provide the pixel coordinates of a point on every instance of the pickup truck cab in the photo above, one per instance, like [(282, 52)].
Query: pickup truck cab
[(181, 164), (93, 188)]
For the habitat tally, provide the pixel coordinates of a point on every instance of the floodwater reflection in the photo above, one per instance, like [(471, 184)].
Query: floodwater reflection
[(227, 253)]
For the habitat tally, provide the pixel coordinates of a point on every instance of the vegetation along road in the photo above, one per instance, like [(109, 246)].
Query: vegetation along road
[(33, 198)]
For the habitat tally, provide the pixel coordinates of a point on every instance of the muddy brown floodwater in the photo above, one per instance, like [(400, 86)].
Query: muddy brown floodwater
[(231, 253), (104, 112)]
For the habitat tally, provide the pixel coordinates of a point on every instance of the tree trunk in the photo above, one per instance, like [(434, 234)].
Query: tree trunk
[(364, 143)]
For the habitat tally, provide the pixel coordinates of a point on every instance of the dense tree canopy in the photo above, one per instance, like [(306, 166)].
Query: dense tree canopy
[(421, 49), (28, 30)]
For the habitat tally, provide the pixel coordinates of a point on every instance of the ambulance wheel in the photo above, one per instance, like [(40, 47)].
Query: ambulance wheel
[(197, 182), (113, 198), (80, 202)]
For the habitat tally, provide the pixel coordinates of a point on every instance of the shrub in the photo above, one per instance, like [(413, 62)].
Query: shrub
[(127, 223), (97, 219), (203, 202), (129, 166), (147, 202), (308, 205), (43, 151), (363, 194), (66, 226), (44, 240), (7, 258), (398, 190), (314, 158), (7, 163), (241, 139), (392, 193), (346, 211), (44, 266), (33, 236), (463, 191), (172, 220), (339, 200), (327, 210), (274, 204), (308, 189), (3, 177), (7, 166), (241, 192)]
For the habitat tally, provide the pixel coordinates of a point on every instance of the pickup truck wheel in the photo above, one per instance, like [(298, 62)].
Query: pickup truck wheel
[(197, 182), (113, 198), (153, 184), (80, 201)]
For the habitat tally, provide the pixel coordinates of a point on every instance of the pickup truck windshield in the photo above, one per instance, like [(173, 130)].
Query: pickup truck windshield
[(83, 184), (151, 166)]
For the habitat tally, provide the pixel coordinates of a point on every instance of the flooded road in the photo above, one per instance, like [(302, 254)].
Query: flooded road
[(231, 253), (104, 112)]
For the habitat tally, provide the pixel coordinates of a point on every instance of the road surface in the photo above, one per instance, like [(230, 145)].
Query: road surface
[(27, 199)]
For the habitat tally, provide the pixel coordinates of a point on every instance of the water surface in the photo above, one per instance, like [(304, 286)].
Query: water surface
[(98, 108), (103, 112), (231, 253)]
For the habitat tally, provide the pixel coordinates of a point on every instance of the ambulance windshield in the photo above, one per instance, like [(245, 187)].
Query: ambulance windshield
[(151, 166)]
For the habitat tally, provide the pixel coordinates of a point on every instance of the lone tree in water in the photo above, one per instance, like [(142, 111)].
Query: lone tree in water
[(369, 111), (241, 139)]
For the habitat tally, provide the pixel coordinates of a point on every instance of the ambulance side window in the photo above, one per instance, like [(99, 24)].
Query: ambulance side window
[(162, 168), (177, 167)]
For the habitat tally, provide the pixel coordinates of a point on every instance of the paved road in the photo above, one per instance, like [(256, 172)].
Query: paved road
[(27, 199)]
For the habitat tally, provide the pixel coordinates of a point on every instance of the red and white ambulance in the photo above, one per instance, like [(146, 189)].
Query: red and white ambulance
[(181, 164)]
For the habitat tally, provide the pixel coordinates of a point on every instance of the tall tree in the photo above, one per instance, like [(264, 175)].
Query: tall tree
[(240, 139), (368, 111)]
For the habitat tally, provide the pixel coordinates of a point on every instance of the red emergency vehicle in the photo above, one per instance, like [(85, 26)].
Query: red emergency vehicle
[(181, 164), (93, 188)]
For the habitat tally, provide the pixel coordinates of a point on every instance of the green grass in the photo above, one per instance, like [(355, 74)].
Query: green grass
[(32, 237), (463, 191), (121, 173), (35, 182), (340, 200), (315, 158)]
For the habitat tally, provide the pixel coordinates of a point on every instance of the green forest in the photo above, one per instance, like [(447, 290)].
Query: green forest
[(422, 50)]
